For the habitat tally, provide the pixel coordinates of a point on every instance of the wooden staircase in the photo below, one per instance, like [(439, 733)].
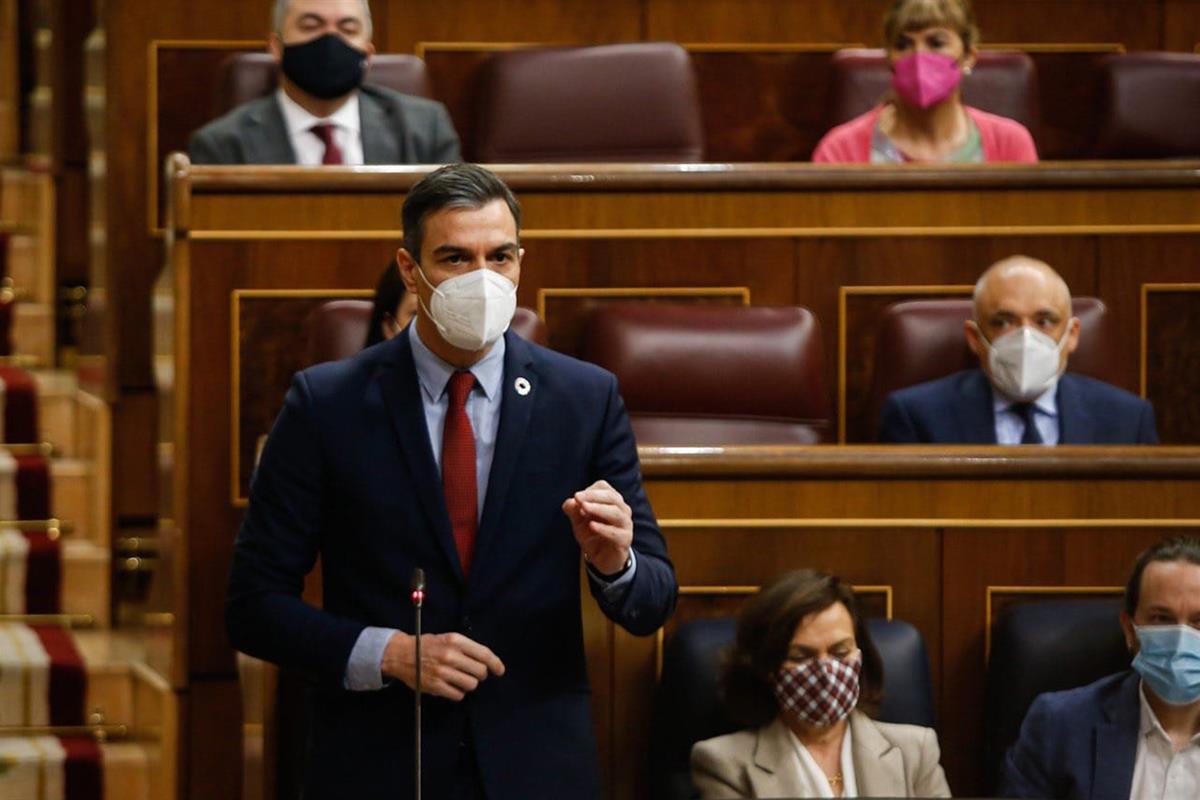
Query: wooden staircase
[(82, 714)]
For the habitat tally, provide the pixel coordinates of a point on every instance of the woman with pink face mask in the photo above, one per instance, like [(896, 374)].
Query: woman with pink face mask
[(803, 675), (930, 47)]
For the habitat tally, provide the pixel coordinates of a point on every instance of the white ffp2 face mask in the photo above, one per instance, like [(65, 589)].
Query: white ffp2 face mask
[(471, 310), (1024, 363)]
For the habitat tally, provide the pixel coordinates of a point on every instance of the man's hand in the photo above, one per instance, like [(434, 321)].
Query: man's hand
[(603, 525), (451, 664)]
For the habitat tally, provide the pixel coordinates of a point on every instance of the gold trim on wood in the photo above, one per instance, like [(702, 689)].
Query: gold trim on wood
[(846, 291), (64, 620), (717, 591), (992, 591), (1147, 288), (152, 167), (925, 522), (731, 233), (1065, 47), (235, 360), (742, 292)]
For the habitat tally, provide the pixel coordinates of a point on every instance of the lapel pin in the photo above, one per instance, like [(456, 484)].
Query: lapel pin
[(522, 386)]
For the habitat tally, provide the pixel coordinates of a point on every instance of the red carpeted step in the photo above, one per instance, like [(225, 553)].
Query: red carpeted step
[(43, 575), (33, 487), (20, 405), (84, 769), (51, 768), (68, 677)]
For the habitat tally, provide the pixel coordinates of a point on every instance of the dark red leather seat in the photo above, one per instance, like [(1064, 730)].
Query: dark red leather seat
[(1003, 82), (921, 340), (337, 329), (715, 375), (1150, 106), (248, 76), (622, 102)]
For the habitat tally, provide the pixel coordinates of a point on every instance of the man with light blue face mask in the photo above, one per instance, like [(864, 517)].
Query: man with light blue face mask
[(1023, 333), (1134, 735)]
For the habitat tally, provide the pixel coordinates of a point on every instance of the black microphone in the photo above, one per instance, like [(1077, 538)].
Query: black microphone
[(418, 599)]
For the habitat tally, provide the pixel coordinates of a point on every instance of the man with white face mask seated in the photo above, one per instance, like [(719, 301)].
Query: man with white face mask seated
[(1023, 334), (1134, 735)]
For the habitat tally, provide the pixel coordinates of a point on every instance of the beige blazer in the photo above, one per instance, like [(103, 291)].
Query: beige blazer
[(889, 761)]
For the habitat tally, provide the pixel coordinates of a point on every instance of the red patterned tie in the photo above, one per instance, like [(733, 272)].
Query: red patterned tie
[(458, 468), (333, 153)]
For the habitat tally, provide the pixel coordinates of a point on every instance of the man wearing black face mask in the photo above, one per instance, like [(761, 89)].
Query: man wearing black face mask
[(322, 112)]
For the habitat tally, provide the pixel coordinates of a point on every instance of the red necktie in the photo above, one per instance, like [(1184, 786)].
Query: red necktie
[(333, 153), (458, 468)]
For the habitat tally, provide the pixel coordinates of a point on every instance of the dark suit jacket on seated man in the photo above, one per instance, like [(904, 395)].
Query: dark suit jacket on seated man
[(321, 113), (1135, 734), (492, 464), (1023, 333)]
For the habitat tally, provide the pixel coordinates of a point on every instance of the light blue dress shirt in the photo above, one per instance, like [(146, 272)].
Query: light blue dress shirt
[(1010, 427), (483, 408)]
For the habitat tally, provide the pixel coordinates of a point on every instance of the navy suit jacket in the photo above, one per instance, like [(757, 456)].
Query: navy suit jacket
[(348, 472), (958, 409), (1079, 744)]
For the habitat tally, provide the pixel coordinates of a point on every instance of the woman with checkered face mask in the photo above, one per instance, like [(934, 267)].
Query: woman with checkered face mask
[(805, 676)]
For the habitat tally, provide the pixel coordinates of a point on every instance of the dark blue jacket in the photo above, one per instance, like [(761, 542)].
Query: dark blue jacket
[(348, 473), (958, 409), (1079, 744)]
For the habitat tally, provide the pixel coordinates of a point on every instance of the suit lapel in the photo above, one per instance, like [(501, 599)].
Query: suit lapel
[(516, 409), (976, 414), (380, 142), (878, 764), (1116, 743), (402, 393), (772, 750), (1075, 424), (268, 141)]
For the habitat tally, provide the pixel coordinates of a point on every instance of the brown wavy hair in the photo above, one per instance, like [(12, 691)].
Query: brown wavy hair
[(915, 15), (764, 632)]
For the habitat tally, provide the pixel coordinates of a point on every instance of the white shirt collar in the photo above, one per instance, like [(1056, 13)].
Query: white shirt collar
[(1150, 726), (298, 119), (1044, 402)]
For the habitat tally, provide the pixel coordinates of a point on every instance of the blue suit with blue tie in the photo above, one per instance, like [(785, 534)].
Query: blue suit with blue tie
[(1080, 744), (348, 473), (959, 409)]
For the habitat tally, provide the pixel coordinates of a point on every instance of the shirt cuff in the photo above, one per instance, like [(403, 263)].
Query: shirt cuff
[(364, 669), (613, 589)]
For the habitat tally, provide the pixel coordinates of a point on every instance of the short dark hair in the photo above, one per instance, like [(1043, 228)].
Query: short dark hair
[(1178, 548), (451, 186), (764, 632)]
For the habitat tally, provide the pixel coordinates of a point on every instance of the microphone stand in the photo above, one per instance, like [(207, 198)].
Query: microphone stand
[(418, 599)]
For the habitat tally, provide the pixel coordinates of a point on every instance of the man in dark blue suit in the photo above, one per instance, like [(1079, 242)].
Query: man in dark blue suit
[(489, 462), (1135, 734), (1023, 333)]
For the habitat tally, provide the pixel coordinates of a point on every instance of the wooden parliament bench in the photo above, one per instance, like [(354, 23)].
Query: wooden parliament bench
[(940, 537)]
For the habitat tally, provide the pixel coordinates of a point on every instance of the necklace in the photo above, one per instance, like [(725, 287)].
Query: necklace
[(835, 783)]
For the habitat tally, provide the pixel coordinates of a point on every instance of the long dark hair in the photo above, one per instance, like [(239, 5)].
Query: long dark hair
[(765, 629), (389, 293)]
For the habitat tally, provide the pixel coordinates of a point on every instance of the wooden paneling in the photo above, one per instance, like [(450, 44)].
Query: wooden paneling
[(881, 517), (765, 20), (1172, 348), (558, 21), (174, 114), (10, 82)]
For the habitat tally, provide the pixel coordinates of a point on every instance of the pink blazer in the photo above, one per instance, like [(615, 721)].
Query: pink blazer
[(1003, 139)]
